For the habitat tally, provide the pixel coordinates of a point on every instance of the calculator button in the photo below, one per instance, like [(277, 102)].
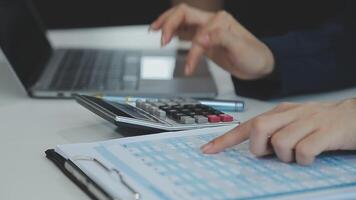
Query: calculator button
[(164, 107), (186, 111), (213, 118), (197, 110), (145, 105), (170, 104), (160, 114), (192, 114), (205, 113), (201, 119), (139, 103), (171, 112), (177, 116), (152, 110), (151, 101), (177, 107), (189, 106), (155, 110), (226, 118), (158, 104), (187, 120), (183, 110)]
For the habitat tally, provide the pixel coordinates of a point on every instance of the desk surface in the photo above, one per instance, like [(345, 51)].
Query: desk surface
[(30, 126)]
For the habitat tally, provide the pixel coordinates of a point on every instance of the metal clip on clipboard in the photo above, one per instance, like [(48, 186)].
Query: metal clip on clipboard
[(69, 166)]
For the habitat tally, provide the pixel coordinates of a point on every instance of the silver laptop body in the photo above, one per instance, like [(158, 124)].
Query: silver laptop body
[(60, 73)]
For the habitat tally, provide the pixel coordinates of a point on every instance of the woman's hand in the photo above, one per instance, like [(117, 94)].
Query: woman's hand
[(295, 132), (220, 37)]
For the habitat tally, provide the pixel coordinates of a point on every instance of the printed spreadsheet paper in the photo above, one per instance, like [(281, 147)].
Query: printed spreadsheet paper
[(170, 166)]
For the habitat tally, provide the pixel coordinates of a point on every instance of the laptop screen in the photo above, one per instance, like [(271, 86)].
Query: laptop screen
[(23, 40)]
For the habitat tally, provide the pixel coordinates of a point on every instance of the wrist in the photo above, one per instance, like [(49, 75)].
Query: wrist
[(269, 64), (264, 63)]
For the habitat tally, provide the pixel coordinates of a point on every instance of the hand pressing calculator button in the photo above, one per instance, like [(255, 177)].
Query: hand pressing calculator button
[(183, 111)]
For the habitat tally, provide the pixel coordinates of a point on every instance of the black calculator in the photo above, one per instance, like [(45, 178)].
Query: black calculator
[(159, 114)]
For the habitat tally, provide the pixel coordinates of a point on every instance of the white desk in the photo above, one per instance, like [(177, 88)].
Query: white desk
[(30, 126)]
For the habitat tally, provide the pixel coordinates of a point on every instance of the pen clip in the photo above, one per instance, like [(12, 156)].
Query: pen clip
[(136, 195)]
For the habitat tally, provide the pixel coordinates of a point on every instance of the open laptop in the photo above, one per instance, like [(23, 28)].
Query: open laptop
[(60, 73)]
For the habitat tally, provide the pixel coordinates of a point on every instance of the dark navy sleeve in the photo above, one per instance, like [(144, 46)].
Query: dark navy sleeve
[(309, 61)]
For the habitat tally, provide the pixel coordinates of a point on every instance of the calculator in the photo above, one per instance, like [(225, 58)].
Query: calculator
[(158, 114)]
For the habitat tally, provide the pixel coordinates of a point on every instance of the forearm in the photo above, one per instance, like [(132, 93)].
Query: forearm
[(209, 5), (308, 61)]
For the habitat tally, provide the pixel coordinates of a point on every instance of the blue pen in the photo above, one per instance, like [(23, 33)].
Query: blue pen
[(222, 105), (127, 99)]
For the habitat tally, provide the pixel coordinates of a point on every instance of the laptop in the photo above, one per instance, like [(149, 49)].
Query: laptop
[(46, 72)]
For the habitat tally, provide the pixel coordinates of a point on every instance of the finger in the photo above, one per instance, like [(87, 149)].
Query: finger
[(157, 24), (218, 31), (263, 127), (193, 58), (285, 139), (199, 47), (285, 106), (182, 16), (240, 133), (307, 149), (217, 38), (172, 24), (186, 33), (282, 107), (229, 139), (233, 137)]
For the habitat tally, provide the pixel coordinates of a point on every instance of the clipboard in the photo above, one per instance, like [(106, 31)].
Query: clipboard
[(84, 182), (178, 151)]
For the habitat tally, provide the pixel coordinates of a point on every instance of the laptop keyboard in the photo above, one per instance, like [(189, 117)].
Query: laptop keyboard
[(97, 70)]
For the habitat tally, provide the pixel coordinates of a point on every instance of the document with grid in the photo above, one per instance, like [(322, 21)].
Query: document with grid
[(171, 166)]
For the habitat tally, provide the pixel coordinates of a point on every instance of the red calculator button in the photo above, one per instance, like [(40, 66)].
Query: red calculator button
[(213, 118), (226, 118)]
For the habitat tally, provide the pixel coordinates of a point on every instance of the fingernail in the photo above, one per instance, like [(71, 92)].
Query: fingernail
[(207, 147), (187, 69), (162, 41), (152, 26)]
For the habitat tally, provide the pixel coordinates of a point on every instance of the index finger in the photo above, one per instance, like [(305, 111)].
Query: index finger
[(182, 16), (229, 139), (157, 24), (241, 132), (192, 60)]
